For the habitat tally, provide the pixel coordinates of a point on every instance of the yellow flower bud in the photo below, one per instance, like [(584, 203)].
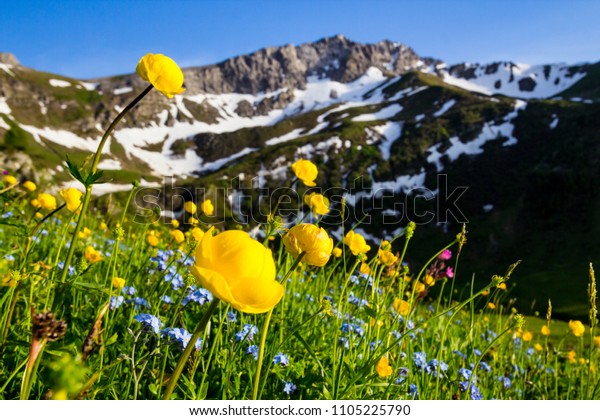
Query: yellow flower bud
[(177, 235), (312, 240), (577, 328), (46, 201), (72, 197), (401, 306), (162, 72), (527, 336), (545, 330), (208, 208), (318, 203), (383, 367), (118, 282), (190, 207), (356, 242), (152, 240), (238, 270), (364, 268), (175, 223), (337, 252), (419, 287), (306, 171), (9, 179), (92, 255), (29, 186), (197, 233)]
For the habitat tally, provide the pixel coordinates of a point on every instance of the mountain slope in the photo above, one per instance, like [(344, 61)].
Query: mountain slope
[(392, 132)]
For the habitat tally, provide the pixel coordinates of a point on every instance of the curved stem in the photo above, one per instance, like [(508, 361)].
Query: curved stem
[(88, 188), (188, 350), (261, 353)]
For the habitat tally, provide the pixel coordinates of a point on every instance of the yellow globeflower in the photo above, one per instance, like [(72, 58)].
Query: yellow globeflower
[(207, 208), (527, 336), (118, 282), (545, 330), (197, 233), (92, 255), (177, 235), (164, 74), (491, 305), (318, 203), (190, 207), (103, 226), (337, 252), (383, 367), (29, 186), (193, 221), (597, 341), (356, 242), (572, 356), (46, 201), (72, 197), (238, 270), (152, 239), (538, 347), (364, 268), (84, 233), (312, 240), (429, 280), (401, 306), (577, 328), (306, 171), (419, 287), (175, 223), (35, 203), (9, 179)]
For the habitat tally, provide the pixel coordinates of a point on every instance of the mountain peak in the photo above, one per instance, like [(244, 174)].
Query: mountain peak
[(288, 67), (8, 58)]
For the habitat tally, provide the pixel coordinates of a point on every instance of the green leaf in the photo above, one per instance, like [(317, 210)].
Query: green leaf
[(74, 171), (370, 312), (112, 339)]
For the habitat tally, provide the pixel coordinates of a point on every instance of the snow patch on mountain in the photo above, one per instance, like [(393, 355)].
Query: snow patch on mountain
[(488, 133), (59, 83), (390, 132), (122, 90), (444, 108), (516, 80), (384, 113), (294, 134), (4, 108)]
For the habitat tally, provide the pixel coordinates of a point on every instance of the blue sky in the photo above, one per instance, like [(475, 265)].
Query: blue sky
[(86, 38)]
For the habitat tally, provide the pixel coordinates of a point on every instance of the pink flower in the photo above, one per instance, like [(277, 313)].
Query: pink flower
[(449, 272), (445, 255)]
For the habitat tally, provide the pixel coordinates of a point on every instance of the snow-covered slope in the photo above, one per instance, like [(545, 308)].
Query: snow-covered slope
[(511, 79)]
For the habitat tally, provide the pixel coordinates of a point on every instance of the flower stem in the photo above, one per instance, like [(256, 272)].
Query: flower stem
[(88, 188), (261, 354), (265, 329), (188, 349)]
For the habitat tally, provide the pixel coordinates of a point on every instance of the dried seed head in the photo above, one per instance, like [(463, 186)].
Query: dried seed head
[(45, 326)]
